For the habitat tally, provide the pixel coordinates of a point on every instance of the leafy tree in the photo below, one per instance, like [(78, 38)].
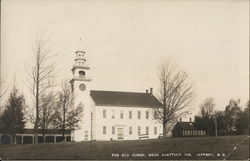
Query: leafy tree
[(205, 123), (242, 124), (12, 120), (219, 115), (66, 116), (232, 113)]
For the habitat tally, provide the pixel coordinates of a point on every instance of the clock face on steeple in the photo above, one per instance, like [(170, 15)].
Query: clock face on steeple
[(82, 87)]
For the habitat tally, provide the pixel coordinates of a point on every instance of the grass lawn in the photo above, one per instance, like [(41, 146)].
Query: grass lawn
[(165, 148)]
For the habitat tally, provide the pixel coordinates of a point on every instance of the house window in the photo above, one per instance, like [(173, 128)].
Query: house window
[(155, 130), (155, 115), (147, 114), (147, 130), (139, 130), (121, 115), (104, 130), (86, 137), (139, 114), (130, 130), (130, 114), (113, 130), (113, 114), (104, 113)]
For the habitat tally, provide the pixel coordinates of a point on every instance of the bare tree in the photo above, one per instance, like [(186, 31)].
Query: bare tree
[(2, 90), (207, 108), (207, 118), (175, 93), (67, 117), (48, 111), (40, 78)]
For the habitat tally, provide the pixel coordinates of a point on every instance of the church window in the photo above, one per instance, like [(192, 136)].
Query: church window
[(113, 114), (155, 130), (155, 115), (86, 135), (139, 114), (104, 130), (113, 130), (139, 130), (147, 130), (104, 113), (130, 130), (121, 114), (147, 114), (130, 114)]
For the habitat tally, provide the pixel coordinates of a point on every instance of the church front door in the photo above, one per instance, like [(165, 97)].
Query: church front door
[(120, 133)]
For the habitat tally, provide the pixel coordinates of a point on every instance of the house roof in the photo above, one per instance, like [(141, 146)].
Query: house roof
[(112, 98), (186, 125)]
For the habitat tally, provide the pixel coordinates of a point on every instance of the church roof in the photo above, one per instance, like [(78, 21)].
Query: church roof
[(112, 98)]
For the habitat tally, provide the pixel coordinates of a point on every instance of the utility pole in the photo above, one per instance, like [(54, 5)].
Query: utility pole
[(215, 126), (91, 124)]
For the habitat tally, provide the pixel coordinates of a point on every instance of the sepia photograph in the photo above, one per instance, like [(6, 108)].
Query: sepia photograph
[(124, 80)]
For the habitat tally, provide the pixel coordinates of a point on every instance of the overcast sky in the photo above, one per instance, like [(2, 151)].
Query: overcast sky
[(124, 41)]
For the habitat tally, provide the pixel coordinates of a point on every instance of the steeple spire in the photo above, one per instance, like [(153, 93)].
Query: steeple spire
[(79, 46), (80, 67)]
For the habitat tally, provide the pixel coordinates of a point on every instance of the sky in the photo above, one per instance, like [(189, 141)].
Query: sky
[(126, 40)]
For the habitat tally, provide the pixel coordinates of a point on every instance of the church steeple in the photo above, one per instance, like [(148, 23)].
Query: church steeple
[(80, 67), (80, 87)]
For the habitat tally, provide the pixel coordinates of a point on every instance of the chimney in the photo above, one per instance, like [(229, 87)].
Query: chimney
[(146, 90), (180, 119), (190, 119), (151, 91)]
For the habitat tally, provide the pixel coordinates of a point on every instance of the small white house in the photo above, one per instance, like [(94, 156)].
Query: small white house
[(110, 115)]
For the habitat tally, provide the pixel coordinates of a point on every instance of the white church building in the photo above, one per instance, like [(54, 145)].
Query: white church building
[(111, 115)]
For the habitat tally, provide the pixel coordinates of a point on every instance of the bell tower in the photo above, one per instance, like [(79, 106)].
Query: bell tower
[(80, 69), (80, 88)]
